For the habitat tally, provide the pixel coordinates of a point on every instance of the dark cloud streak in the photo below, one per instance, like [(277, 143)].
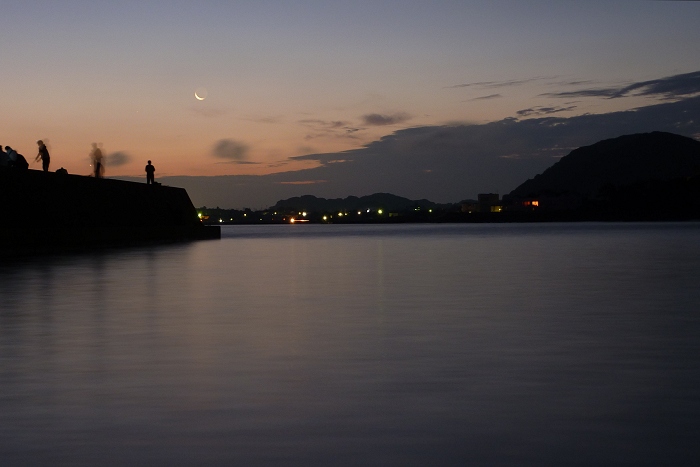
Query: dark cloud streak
[(485, 98), (333, 128), (670, 87), (499, 84), (382, 120), (539, 111)]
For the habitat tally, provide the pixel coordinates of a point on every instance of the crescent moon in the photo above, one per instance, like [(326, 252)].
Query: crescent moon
[(197, 97)]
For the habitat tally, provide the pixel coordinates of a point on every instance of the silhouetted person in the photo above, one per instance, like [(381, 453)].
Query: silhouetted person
[(4, 158), (11, 156), (17, 160), (96, 156), (150, 174), (21, 162), (43, 155)]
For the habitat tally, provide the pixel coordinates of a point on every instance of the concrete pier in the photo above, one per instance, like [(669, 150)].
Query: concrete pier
[(48, 211)]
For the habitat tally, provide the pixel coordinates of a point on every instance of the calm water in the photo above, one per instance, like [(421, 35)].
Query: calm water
[(552, 344)]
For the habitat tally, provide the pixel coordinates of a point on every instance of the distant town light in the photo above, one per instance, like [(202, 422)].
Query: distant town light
[(380, 211), (359, 213), (325, 218), (303, 213), (340, 214)]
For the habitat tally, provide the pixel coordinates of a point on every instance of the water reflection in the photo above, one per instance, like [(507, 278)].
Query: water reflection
[(414, 345)]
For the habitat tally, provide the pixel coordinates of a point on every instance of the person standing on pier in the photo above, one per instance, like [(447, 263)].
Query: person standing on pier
[(43, 155), (96, 156), (150, 174)]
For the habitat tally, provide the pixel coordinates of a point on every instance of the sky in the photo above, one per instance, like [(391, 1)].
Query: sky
[(424, 99)]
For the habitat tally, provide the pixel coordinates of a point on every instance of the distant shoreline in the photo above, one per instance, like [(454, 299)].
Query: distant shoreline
[(224, 217)]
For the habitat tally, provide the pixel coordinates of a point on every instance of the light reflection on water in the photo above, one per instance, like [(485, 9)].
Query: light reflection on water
[(527, 344)]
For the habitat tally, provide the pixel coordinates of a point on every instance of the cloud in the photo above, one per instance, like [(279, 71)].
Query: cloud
[(575, 82), (347, 133), (609, 93), (231, 150), (333, 129), (463, 160), (316, 123), (539, 111), (117, 159), (670, 87), (381, 120), (499, 84), (484, 98)]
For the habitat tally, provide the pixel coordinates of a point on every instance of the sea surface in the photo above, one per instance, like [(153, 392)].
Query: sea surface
[(370, 345)]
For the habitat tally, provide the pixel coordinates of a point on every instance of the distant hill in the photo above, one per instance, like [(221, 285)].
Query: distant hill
[(641, 177), (384, 201), (623, 161)]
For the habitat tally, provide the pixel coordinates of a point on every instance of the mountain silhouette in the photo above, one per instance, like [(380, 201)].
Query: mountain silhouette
[(617, 162), (376, 201)]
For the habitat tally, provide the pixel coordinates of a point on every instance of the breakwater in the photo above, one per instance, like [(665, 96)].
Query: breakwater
[(46, 212)]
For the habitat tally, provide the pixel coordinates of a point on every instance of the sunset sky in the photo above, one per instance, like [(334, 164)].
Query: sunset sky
[(316, 78)]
